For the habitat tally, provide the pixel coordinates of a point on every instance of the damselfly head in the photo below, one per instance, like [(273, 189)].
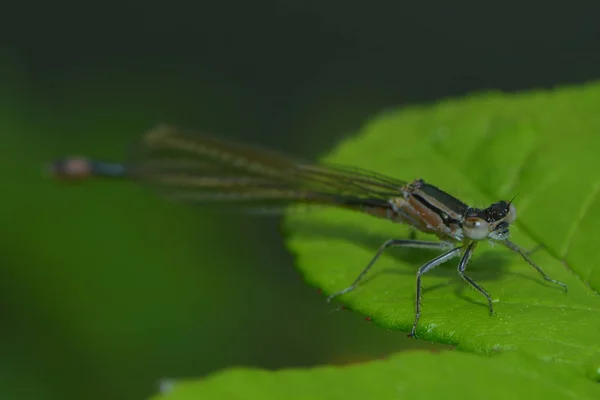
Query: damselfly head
[(492, 222)]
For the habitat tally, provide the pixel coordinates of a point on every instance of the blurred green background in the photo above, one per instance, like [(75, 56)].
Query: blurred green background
[(105, 289)]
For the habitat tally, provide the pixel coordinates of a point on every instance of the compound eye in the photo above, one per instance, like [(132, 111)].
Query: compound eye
[(476, 228), (512, 214)]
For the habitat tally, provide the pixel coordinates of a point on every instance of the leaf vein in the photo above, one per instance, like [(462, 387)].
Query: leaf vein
[(583, 210)]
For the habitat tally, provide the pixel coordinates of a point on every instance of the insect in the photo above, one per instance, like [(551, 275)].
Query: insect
[(192, 168)]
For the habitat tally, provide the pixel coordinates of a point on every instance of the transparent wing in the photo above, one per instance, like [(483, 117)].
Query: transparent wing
[(195, 168)]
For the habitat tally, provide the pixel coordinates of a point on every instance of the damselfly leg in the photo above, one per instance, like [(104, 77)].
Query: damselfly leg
[(525, 256), (391, 243), (462, 266), (455, 252)]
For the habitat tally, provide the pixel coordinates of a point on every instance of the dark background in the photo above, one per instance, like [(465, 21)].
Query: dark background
[(105, 290)]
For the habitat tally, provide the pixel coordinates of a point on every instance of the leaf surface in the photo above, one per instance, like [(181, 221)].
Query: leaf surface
[(410, 375), (541, 146)]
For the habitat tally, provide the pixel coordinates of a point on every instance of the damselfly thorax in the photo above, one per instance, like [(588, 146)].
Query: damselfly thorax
[(434, 211), (194, 168)]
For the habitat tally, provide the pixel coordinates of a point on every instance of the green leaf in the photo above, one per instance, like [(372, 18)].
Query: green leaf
[(542, 146), (410, 375)]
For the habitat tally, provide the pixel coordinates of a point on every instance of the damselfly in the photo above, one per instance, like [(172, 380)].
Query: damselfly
[(193, 168)]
